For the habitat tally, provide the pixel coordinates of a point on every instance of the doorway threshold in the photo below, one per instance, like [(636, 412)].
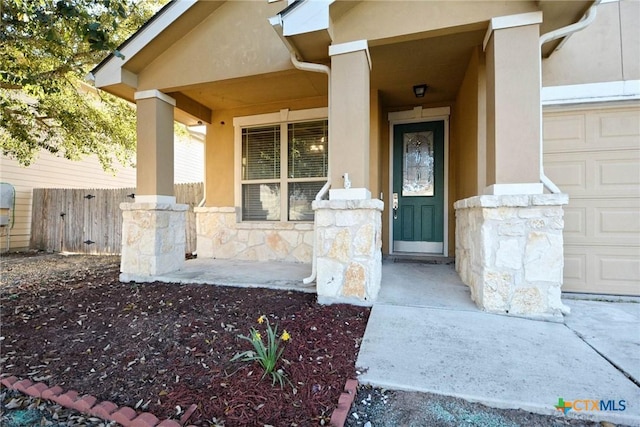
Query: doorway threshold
[(420, 258)]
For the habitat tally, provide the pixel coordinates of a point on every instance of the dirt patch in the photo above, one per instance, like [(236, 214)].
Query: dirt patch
[(163, 347)]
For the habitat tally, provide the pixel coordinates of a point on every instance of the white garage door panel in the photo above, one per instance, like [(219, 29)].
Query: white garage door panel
[(570, 175), (602, 221), (591, 129), (596, 174), (564, 130), (620, 172), (602, 269), (593, 154)]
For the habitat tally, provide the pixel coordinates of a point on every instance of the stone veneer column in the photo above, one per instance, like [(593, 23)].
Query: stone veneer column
[(153, 240), (348, 250), (509, 251)]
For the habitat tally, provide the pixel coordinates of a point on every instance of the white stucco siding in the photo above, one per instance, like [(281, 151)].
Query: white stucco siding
[(593, 154), (189, 161)]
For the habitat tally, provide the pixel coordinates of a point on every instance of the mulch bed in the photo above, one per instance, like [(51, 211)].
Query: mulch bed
[(163, 347)]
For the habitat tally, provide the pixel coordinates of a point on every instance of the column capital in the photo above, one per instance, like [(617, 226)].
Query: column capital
[(349, 47), (154, 93), (511, 21)]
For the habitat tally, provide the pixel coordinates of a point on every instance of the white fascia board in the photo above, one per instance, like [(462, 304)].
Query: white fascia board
[(511, 21), (348, 47), (108, 74), (111, 74), (623, 90), (308, 17), (154, 93)]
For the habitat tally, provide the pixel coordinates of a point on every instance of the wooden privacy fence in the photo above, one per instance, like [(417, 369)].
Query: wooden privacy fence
[(89, 221)]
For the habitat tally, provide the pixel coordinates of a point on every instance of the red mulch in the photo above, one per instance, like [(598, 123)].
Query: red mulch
[(159, 346)]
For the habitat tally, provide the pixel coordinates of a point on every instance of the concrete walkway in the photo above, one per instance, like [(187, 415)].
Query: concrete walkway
[(425, 334)]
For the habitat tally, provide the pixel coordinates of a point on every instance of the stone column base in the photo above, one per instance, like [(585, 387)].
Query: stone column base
[(509, 251), (349, 250), (153, 240)]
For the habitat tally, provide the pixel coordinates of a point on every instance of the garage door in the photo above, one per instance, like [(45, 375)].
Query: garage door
[(593, 154)]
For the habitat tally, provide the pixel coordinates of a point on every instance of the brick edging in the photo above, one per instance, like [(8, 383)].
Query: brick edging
[(340, 414), (87, 404), (128, 417)]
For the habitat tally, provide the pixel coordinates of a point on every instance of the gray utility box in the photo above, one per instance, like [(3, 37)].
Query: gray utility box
[(7, 205)]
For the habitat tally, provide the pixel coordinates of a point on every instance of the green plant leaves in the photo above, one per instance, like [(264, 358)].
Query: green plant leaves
[(266, 354)]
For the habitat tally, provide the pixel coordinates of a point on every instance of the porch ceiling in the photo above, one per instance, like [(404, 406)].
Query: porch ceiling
[(439, 62), (258, 90)]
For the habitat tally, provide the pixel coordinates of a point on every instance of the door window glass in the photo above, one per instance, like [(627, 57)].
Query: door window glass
[(417, 162)]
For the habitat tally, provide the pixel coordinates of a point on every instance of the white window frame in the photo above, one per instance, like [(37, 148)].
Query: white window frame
[(283, 118)]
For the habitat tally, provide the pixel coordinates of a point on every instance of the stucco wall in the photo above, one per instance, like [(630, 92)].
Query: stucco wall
[(607, 50), (467, 133), (210, 51), (384, 20)]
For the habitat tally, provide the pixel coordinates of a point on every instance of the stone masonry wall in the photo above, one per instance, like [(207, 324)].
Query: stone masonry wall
[(153, 239), (509, 251), (349, 256), (221, 234)]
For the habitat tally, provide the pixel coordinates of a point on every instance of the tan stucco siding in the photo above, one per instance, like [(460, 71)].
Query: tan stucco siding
[(630, 34), (234, 41), (468, 123), (382, 21), (464, 133), (592, 153), (513, 99), (605, 51), (374, 145), (385, 178), (219, 150)]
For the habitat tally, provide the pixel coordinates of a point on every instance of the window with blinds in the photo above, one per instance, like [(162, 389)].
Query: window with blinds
[(269, 189)]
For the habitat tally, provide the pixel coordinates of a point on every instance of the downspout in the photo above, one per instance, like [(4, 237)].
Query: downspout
[(276, 22), (586, 20), (317, 68)]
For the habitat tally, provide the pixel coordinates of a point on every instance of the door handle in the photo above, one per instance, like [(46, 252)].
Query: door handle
[(395, 205)]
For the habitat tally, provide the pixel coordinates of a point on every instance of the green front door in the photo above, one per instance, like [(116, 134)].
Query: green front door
[(418, 187)]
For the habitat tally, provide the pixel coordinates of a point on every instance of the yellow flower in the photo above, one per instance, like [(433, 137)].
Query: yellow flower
[(261, 319), (257, 336), (285, 336)]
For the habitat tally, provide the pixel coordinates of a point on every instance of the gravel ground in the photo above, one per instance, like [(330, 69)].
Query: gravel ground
[(375, 407), (18, 410)]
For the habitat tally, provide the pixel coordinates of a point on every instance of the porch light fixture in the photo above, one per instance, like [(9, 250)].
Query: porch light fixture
[(420, 90)]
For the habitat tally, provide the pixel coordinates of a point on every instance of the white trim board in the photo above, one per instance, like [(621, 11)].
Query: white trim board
[(622, 90), (511, 21)]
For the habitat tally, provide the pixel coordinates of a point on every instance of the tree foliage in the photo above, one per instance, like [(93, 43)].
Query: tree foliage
[(47, 47)]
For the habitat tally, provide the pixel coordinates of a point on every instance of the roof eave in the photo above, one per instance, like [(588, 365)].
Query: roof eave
[(111, 70)]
